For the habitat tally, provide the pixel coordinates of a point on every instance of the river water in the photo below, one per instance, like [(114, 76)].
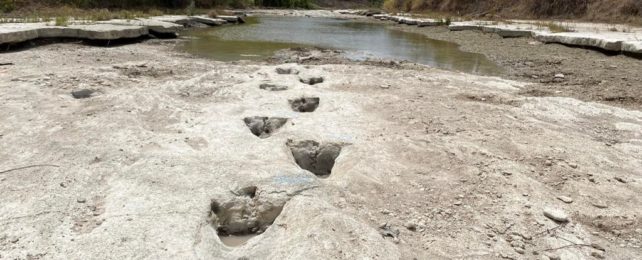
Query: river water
[(262, 36)]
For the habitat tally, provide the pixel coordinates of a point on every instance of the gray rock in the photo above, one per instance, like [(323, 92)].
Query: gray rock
[(83, 93)]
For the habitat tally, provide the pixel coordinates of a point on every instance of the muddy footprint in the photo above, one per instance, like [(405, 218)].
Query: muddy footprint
[(244, 216), (264, 127), (304, 104), (315, 157)]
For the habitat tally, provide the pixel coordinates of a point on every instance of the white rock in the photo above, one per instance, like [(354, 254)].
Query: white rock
[(557, 215)]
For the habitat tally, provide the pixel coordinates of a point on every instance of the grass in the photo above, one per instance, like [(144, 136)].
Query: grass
[(48, 14), (555, 27), (61, 21)]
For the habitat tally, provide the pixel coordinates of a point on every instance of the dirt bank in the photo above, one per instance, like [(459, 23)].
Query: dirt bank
[(589, 75), (163, 153)]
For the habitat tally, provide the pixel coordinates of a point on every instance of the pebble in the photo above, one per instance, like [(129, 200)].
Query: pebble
[(620, 179), (599, 204), (81, 200), (565, 199), (548, 163), (83, 93), (598, 254), (411, 226), (385, 86), (556, 214), (559, 76), (573, 165)]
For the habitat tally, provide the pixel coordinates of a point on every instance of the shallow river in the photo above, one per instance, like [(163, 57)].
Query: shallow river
[(262, 36)]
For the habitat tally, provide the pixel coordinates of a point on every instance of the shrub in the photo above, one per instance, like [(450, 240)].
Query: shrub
[(7, 6), (62, 21)]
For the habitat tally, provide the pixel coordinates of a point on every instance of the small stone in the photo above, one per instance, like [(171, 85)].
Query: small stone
[(548, 163), (553, 257), (519, 250), (83, 93), (457, 203), (599, 204), (573, 165), (385, 86), (81, 200), (15, 240), (411, 226), (620, 179), (565, 199), (598, 247), (506, 173), (556, 215), (598, 254), (559, 76)]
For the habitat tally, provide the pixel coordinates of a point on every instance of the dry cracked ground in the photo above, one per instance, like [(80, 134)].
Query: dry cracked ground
[(167, 155)]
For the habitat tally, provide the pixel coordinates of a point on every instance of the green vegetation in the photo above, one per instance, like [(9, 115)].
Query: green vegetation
[(62, 21), (555, 27), (7, 6)]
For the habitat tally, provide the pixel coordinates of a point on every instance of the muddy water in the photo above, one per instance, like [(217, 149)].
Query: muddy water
[(262, 36)]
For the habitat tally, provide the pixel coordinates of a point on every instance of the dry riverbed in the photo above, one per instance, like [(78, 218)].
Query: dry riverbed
[(423, 163)]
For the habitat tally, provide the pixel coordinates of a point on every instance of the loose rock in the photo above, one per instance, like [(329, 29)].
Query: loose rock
[(83, 93), (565, 199), (556, 215)]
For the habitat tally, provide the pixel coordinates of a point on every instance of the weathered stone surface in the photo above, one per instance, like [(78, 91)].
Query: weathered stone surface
[(177, 19), (632, 46), (156, 26), (109, 31), (18, 32), (428, 22), (230, 18), (465, 26), (587, 36), (208, 21), (602, 40), (381, 16), (12, 33)]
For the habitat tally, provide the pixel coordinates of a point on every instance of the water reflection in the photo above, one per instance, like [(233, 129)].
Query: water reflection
[(264, 35)]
